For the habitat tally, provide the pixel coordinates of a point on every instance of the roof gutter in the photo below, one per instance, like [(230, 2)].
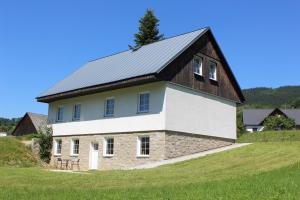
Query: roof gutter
[(99, 88)]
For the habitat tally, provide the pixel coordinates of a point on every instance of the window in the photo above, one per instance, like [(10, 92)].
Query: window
[(109, 147), (60, 114), (254, 129), (58, 144), (75, 147), (76, 112), (144, 146), (143, 106), (213, 71), (197, 64), (109, 107)]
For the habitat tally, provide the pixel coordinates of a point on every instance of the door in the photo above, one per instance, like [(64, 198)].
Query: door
[(94, 155)]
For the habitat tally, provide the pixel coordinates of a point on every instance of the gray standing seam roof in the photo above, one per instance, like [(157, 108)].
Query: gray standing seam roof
[(148, 59), (256, 116), (292, 113)]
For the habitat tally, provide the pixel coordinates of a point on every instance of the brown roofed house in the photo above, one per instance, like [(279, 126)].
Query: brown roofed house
[(30, 123)]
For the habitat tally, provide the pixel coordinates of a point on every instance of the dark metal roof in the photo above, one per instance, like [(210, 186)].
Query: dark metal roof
[(256, 116)]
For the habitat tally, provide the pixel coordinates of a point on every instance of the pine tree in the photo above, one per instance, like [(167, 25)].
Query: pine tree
[(148, 30)]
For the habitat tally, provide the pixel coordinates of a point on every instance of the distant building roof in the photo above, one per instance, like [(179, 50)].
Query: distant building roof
[(257, 116), (38, 120), (293, 114), (30, 123)]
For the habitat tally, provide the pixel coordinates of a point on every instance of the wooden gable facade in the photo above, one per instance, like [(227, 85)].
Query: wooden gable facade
[(181, 70), (24, 127), (30, 124)]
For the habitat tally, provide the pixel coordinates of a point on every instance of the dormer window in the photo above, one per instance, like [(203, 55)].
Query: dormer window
[(213, 71), (197, 64)]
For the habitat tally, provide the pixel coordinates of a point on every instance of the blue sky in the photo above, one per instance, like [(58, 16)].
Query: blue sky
[(43, 41)]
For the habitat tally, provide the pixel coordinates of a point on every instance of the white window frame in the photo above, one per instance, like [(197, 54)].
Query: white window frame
[(73, 114), (57, 114), (105, 147), (139, 101), (72, 147), (200, 67), (139, 145), (55, 147), (105, 107), (215, 72)]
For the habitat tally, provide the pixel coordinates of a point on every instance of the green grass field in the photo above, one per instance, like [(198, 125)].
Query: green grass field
[(15, 154), (259, 171), (270, 136)]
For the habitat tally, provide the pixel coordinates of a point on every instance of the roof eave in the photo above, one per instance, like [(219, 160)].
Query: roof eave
[(99, 88)]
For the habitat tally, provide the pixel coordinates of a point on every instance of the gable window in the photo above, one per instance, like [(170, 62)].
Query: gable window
[(58, 143), (60, 114), (76, 112), (75, 147), (109, 147), (197, 64), (143, 103), (212, 71), (143, 146), (109, 107)]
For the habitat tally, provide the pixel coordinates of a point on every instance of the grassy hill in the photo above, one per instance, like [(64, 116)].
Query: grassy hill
[(14, 153), (272, 97), (263, 170)]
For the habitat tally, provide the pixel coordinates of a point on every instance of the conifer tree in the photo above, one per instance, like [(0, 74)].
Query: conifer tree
[(148, 30)]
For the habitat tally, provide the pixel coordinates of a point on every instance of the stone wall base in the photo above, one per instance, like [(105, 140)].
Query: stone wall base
[(163, 145), (181, 144)]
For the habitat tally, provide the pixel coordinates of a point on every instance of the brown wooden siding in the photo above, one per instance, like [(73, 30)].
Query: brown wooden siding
[(180, 71), (25, 126)]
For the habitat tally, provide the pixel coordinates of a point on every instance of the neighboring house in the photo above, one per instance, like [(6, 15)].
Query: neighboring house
[(171, 98), (3, 134), (31, 123), (253, 119)]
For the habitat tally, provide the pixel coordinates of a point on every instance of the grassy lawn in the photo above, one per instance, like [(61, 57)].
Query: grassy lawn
[(258, 171), (270, 136), (13, 153)]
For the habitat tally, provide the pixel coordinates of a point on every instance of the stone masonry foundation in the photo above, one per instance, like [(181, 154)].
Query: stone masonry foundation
[(163, 145)]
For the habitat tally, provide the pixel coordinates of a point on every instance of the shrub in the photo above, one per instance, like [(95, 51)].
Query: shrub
[(279, 123), (45, 142), (239, 123)]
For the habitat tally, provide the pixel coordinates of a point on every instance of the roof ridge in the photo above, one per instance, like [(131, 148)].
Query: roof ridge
[(36, 114), (207, 27)]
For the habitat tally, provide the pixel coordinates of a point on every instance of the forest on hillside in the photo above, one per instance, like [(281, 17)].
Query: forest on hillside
[(8, 125), (263, 97)]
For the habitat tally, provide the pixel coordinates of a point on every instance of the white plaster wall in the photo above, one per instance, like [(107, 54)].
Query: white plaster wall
[(125, 118), (194, 112), (250, 128)]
